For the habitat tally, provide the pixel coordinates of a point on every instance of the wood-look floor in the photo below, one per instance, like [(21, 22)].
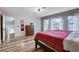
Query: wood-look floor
[(21, 44)]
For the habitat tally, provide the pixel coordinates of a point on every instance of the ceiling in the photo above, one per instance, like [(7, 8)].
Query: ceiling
[(32, 11)]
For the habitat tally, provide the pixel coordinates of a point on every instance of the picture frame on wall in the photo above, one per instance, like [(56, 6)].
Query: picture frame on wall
[(22, 25)]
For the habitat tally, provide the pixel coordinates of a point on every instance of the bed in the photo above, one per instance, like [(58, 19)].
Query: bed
[(58, 40), (71, 42)]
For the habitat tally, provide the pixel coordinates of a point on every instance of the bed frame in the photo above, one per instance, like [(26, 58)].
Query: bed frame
[(40, 43), (37, 42)]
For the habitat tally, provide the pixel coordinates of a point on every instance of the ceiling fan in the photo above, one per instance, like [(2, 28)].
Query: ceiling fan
[(41, 9)]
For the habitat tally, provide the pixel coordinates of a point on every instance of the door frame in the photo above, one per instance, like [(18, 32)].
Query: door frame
[(1, 28)]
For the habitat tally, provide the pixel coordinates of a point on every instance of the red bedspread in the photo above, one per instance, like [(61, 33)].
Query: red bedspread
[(53, 38)]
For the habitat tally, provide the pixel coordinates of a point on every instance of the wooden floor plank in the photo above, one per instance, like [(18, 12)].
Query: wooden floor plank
[(20, 44)]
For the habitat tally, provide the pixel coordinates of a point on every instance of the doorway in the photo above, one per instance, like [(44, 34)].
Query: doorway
[(10, 28)]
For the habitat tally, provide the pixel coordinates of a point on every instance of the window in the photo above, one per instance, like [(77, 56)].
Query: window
[(56, 24), (53, 24), (63, 21), (73, 23), (46, 24)]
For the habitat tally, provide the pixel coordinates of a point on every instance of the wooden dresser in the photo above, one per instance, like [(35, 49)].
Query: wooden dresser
[(29, 30)]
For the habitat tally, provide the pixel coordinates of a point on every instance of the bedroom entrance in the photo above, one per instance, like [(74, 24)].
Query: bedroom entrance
[(9, 26)]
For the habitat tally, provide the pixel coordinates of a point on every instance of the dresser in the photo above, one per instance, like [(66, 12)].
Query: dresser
[(29, 30)]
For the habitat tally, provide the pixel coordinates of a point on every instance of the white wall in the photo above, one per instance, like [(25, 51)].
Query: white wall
[(27, 20), (18, 31), (0, 12), (36, 22)]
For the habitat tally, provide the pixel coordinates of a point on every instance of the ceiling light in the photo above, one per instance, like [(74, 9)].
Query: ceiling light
[(41, 9)]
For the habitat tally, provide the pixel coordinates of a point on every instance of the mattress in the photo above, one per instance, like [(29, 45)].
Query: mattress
[(71, 42), (53, 38)]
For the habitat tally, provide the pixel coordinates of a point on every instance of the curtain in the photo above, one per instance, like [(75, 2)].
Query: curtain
[(46, 24)]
